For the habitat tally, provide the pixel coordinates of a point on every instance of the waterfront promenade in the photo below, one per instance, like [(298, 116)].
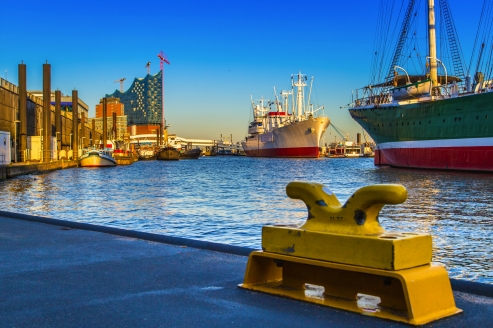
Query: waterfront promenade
[(17, 169), (68, 274)]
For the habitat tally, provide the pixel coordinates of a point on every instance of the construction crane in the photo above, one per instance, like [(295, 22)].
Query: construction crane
[(163, 59), (121, 83), (148, 66), (344, 138)]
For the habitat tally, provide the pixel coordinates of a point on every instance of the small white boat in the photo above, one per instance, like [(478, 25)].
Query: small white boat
[(97, 158), (411, 90)]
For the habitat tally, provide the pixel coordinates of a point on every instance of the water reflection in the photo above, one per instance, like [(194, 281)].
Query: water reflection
[(229, 199)]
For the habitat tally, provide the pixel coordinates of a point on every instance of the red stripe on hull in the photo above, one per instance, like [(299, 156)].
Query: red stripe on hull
[(445, 158), (307, 152)]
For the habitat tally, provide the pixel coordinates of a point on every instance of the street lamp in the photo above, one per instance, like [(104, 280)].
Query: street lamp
[(15, 140)]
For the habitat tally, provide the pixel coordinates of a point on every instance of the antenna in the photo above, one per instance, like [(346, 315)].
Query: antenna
[(121, 83), (148, 66)]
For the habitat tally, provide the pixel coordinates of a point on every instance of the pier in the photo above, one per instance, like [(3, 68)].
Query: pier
[(11, 171), (38, 126), (68, 274)]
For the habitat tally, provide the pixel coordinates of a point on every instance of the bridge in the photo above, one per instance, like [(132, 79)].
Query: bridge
[(151, 139)]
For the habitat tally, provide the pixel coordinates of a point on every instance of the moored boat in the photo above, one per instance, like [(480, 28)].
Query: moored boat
[(285, 132), (210, 151), (433, 121), (193, 153), (352, 150), (146, 154), (97, 158), (168, 154)]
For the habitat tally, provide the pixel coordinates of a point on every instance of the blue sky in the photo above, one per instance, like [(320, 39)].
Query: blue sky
[(221, 52)]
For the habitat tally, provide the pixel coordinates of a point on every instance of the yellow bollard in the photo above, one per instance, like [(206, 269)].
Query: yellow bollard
[(342, 257)]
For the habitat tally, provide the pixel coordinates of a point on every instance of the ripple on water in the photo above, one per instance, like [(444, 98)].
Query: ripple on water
[(229, 199)]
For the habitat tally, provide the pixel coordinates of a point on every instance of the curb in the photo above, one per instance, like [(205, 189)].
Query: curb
[(179, 241), (465, 286)]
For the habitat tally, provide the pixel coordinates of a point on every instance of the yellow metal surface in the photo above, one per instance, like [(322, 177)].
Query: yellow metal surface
[(416, 296), (349, 233), (390, 251), (358, 216), (342, 257)]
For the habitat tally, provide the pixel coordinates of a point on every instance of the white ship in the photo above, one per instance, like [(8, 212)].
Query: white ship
[(97, 158), (286, 131)]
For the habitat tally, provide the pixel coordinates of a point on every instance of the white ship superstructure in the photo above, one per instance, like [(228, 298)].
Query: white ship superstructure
[(286, 131)]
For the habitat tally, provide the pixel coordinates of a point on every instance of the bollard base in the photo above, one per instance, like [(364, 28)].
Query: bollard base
[(388, 251), (416, 296)]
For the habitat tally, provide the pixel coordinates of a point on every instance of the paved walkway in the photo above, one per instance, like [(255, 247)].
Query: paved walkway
[(55, 276)]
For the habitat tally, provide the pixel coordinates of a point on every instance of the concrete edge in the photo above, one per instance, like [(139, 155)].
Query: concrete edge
[(459, 285), (179, 241)]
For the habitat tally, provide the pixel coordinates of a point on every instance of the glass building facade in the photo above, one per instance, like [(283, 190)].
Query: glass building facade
[(143, 100)]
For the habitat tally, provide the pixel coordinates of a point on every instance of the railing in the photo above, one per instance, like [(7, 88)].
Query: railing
[(372, 96), (380, 96)]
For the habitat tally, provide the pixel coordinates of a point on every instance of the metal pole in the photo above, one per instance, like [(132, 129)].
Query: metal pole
[(15, 140), (105, 133), (58, 120), (41, 145), (23, 110), (46, 112), (432, 42), (58, 142), (75, 123)]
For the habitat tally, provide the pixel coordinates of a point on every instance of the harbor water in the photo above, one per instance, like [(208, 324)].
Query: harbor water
[(227, 199)]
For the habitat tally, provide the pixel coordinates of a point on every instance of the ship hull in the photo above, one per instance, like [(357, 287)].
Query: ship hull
[(96, 160), (298, 139), (168, 154), (467, 157), (448, 134), (191, 153)]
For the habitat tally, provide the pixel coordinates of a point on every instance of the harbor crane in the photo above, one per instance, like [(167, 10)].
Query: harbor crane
[(344, 138), (148, 66), (121, 83)]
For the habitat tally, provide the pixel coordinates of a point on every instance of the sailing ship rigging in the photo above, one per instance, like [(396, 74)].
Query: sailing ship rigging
[(421, 106)]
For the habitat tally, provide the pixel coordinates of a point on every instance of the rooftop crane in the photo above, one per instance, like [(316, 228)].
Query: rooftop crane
[(148, 66), (121, 83)]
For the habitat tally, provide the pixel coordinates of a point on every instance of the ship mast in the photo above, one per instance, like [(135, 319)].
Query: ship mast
[(299, 97), (432, 47)]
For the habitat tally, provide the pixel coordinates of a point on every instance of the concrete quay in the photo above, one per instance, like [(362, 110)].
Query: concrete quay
[(56, 273), (16, 169)]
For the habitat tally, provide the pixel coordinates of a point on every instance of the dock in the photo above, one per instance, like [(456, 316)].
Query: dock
[(17, 169), (56, 273)]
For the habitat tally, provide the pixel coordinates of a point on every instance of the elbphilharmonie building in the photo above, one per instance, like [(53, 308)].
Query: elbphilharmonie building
[(143, 100)]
